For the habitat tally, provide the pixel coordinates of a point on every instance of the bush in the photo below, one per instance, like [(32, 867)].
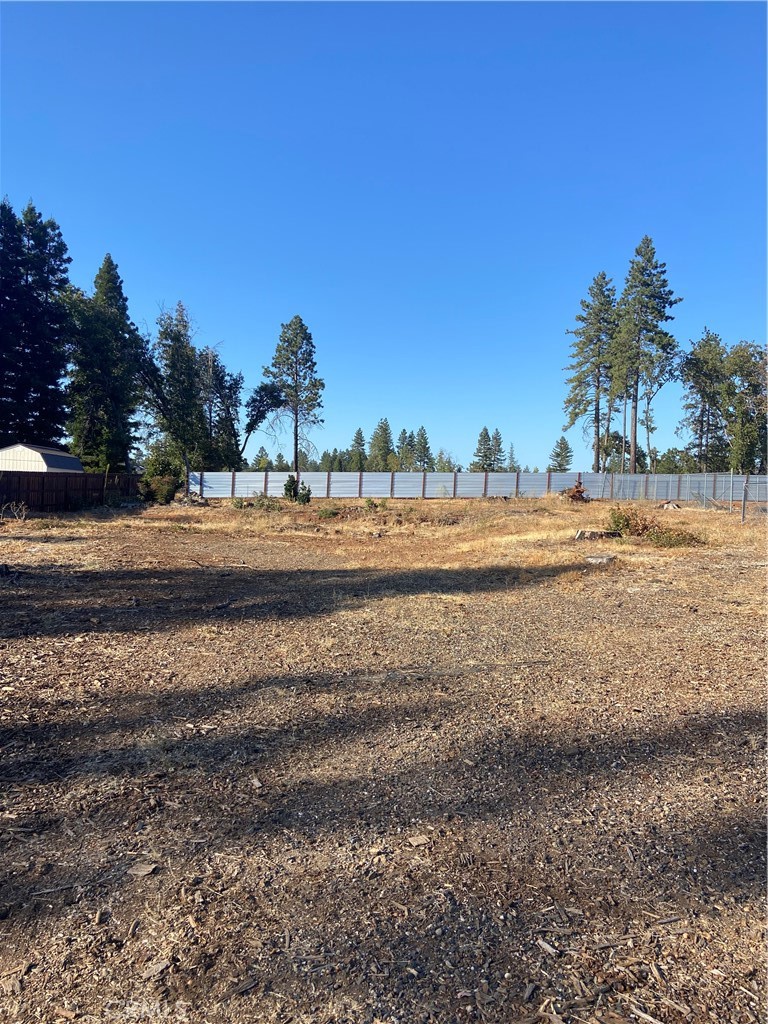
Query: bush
[(329, 512), (634, 522), (160, 489), (290, 488), (264, 503)]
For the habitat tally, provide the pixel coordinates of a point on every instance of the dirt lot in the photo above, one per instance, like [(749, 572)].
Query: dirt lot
[(416, 763)]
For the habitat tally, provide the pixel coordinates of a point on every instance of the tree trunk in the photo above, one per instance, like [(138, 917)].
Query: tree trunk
[(596, 453), (633, 427), (296, 443), (624, 435)]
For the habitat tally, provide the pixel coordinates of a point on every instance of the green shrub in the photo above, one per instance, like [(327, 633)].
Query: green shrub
[(264, 503), (160, 489), (329, 512), (291, 488), (304, 495)]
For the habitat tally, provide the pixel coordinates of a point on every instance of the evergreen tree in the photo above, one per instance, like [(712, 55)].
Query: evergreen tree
[(281, 463), (220, 392), (104, 390), (422, 453), (261, 461), (675, 460), (703, 375), (405, 451), (513, 466), (381, 448), (35, 328), (744, 407), (643, 356), (589, 383), (294, 371), (357, 454), (561, 457), (172, 381), (483, 453), (497, 452)]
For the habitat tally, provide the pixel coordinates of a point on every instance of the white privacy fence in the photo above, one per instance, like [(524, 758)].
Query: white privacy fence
[(704, 488)]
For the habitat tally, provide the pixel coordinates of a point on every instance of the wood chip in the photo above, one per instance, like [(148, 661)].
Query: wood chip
[(141, 869)]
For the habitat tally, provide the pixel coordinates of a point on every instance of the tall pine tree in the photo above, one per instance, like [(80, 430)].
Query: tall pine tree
[(589, 383), (35, 327), (483, 457), (422, 453), (381, 448), (703, 375), (104, 389), (643, 354), (294, 371)]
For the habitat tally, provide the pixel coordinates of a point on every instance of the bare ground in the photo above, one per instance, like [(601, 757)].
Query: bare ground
[(421, 763)]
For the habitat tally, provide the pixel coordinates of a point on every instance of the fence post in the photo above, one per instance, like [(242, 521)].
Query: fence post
[(392, 484), (233, 484), (645, 493), (610, 490), (714, 486), (517, 484), (455, 483), (202, 483), (549, 481), (424, 484), (744, 499), (328, 484), (360, 484), (730, 503), (679, 484), (485, 484)]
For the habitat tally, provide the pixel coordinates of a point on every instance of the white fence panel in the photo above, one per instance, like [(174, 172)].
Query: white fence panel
[(438, 485), (345, 485), (376, 485), (408, 485), (248, 485), (316, 482), (501, 485), (470, 485), (562, 481), (533, 485), (276, 484), (217, 485)]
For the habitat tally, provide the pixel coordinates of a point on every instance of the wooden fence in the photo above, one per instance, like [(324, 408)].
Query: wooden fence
[(66, 492)]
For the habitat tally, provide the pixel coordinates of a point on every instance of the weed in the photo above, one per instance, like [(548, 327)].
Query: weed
[(631, 521), (329, 512)]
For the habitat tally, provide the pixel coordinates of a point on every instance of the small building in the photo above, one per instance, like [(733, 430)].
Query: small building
[(32, 458)]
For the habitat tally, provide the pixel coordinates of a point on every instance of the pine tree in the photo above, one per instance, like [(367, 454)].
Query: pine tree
[(483, 453), (294, 371), (381, 448), (589, 383), (561, 457), (35, 328), (220, 392), (357, 454), (104, 391), (445, 463), (643, 356), (497, 452), (703, 375), (422, 453), (172, 382), (513, 466), (261, 461), (281, 463), (405, 451)]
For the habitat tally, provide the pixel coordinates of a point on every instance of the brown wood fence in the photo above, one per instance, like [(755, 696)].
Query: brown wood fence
[(66, 492)]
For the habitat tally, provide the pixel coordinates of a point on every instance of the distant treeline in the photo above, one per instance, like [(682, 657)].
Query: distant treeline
[(75, 370)]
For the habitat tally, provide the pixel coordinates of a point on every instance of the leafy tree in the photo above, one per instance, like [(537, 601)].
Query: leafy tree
[(513, 466), (744, 407), (445, 463), (703, 374), (643, 355), (104, 389), (561, 457), (483, 453), (422, 453), (676, 460), (381, 448), (497, 451), (35, 327), (294, 371), (590, 368), (357, 455)]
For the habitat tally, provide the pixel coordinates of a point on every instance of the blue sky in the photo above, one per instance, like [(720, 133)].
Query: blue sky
[(431, 187)]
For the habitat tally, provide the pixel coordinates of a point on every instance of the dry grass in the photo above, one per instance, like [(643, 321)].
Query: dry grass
[(423, 762)]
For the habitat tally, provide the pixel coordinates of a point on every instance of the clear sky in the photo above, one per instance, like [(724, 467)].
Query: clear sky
[(431, 187)]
